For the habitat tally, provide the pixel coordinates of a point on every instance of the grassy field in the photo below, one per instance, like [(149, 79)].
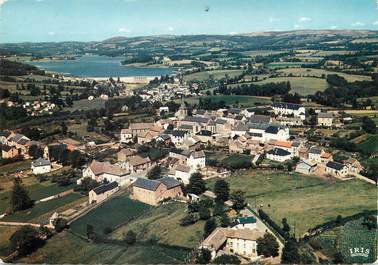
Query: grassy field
[(37, 190), (285, 64), (68, 248), (305, 201), (162, 224), (245, 101), (302, 85), (85, 104), (370, 145), (216, 74), (320, 72), (112, 213), (42, 211), (6, 232), (341, 239)]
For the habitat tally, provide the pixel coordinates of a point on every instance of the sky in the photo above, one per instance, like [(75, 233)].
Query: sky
[(94, 20)]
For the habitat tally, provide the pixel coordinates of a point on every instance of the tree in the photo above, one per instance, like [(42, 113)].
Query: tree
[(35, 152), (225, 220), (154, 173), (203, 256), (196, 184), (20, 199), (209, 227), (238, 198), (130, 237), (204, 212), (189, 219), (368, 125), (338, 258), (90, 231), (267, 246), (222, 190), (290, 253), (64, 128), (26, 240), (226, 259), (60, 224), (285, 227)]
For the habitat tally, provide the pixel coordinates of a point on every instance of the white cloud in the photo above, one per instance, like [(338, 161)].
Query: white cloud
[(305, 19), (39, 0), (170, 28), (124, 30), (297, 26), (333, 27), (375, 23), (232, 33), (273, 19), (358, 23), (2, 2), (51, 33)]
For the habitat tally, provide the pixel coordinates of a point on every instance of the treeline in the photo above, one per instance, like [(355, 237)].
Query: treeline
[(341, 92), (266, 90), (15, 68)]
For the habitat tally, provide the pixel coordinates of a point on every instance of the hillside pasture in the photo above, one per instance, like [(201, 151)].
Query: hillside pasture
[(245, 101), (301, 85), (111, 214), (306, 201), (319, 72), (216, 75)]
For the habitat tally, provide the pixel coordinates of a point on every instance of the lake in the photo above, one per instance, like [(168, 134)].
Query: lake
[(98, 66)]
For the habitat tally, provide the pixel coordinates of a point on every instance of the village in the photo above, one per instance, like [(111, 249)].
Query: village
[(262, 133)]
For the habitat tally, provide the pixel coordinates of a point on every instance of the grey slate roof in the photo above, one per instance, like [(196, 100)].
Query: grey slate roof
[(286, 105), (147, 184), (315, 150), (279, 152), (179, 133), (259, 119), (105, 187), (195, 119), (40, 162), (169, 182), (334, 165)]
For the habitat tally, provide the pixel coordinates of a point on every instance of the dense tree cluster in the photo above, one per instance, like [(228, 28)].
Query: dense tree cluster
[(266, 90)]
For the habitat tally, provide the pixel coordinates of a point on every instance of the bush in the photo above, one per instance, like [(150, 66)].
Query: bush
[(130, 237), (226, 259), (60, 224), (189, 220)]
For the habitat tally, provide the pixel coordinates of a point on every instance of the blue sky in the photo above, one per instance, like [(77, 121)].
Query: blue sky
[(87, 20)]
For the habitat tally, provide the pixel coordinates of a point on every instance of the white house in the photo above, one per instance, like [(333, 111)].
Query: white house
[(41, 166), (197, 160), (126, 136), (279, 154), (336, 169), (325, 119), (233, 241), (287, 109), (249, 222), (315, 154), (183, 173)]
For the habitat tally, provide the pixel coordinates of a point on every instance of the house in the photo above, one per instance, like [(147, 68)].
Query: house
[(353, 166), (336, 169), (164, 138), (239, 129), (305, 167), (283, 145), (289, 109), (279, 154), (140, 127), (70, 143), (102, 192), (233, 241), (101, 171), (197, 160), (126, 136), (315, 154), (178, 136), (153, 192), (205, 136), (325, 119), (8, 152), (260, 119), (182, 112), (137, 163), (124, 154), (276, 132), (249, 222), (41, 166), (183, 173), (54, 151), (325, 157)]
